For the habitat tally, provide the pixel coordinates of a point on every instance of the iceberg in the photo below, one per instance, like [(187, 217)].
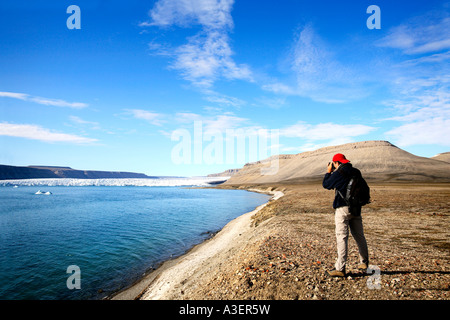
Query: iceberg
[(42, 192)]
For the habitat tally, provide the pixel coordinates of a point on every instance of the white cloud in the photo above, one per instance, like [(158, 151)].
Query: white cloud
[(434, 58), (209, 13), (43, 101), (35, 132), (274, 103), (279, 88), (214, 123), (428, 131), (311, 146), (306, 136), (319, 75), (77, 120), (223, 122), (420, 35), (435, 104), (58, 103), (15, 95), (207, 56), (420, 85), (322, 73), (325, 131), (312, 137), (425, 117), (187, 117), (151, 117), (81, 121), (222, 99)]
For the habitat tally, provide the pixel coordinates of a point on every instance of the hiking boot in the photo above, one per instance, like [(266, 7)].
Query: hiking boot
[(336, 273), (363, 266)]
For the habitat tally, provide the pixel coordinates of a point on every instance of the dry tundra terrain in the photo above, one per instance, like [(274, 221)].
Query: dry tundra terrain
[(292, 244)]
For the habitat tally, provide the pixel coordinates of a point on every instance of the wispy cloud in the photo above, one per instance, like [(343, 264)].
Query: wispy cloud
[(58, 103), (271, 102), (209, 13), (428, 131), (427, 59), (303, 135), (214, 123), (425, 117), (222, 99), (323, 134), (35, 132), (420, 35), (318, 72), (420, 85), (43, 101), (207, 56), (14, 95), (324, 131), (279, 88), (151, 117), (79, 121)]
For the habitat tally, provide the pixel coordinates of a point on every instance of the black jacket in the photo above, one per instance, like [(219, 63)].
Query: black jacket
[(338, 180)]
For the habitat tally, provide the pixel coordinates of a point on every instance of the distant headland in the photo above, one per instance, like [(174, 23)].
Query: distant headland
[(40, 172)]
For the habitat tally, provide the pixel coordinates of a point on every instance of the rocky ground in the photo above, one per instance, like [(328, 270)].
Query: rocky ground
[(292, 244)]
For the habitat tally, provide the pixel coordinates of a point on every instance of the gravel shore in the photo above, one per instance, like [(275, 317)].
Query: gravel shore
[(282, 250)]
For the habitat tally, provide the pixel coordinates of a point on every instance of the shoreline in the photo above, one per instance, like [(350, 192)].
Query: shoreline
[(282, 249), (172, 275)]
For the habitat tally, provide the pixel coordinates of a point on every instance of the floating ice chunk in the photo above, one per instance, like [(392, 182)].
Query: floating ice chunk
[(43, 192)]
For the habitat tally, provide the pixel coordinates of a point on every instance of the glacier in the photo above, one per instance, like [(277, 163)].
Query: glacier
[(122, 182)]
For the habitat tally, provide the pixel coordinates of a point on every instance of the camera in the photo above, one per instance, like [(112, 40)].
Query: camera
[(332, 166)]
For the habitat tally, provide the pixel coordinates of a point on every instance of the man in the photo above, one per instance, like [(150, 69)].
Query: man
[(337, 177)]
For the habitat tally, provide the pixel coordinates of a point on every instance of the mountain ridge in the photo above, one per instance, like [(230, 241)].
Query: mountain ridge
[(444, 156), (226, 173), (8, 172), (377, 160)]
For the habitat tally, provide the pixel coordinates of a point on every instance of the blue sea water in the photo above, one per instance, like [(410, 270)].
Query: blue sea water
[(113, 234)]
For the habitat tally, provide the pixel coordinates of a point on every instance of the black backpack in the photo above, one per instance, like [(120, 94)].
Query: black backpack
[(357, 191)]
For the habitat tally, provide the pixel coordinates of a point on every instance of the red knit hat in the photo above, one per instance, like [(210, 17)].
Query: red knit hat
[(340, 157)]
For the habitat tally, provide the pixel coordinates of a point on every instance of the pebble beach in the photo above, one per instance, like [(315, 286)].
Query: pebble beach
[(282, 250)]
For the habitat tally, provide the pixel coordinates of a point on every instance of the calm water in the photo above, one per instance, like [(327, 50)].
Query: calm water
[(113, 234)]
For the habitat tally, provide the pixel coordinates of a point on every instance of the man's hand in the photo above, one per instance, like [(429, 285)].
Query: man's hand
[(330, 167)]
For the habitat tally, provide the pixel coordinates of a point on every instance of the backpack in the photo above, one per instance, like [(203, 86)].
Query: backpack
[(357, 191)]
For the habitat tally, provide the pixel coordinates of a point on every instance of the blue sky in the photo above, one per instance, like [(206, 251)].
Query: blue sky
[(109, 96)]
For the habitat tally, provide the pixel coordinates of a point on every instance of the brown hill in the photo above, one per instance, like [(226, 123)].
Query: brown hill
[(377, 160), (226, 173), (445, 156)]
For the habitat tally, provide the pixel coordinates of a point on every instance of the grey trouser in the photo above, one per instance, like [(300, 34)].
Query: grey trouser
[(343, 220)]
